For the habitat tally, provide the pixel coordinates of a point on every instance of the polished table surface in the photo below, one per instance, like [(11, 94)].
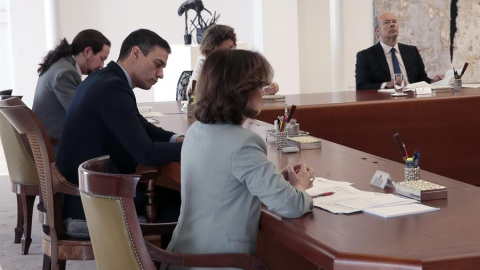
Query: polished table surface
[(445, 239), (360, 96), (444, 126)]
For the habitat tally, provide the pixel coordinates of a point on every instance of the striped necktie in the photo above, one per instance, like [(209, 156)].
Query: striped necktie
[(396, 66)]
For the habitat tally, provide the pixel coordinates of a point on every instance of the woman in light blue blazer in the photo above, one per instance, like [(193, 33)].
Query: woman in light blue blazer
[(226, 175)]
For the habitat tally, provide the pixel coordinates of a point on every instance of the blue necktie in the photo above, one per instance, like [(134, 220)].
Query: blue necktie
[(396, 66)]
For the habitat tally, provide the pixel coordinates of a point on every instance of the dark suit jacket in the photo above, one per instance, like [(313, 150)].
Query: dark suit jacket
[(371, 69), (104, 120)]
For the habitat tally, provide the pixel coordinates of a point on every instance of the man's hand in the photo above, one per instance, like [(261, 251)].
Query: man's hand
[(180, 138), (389, 84), (437, 78)]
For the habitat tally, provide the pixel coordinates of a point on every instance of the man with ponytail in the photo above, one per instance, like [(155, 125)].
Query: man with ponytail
[(60, 74)]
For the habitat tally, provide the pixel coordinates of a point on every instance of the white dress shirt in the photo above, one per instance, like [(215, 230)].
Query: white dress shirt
[(386, 50)]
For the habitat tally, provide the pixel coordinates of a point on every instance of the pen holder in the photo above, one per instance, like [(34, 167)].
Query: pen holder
[(293, 128), (281, 141), (457, 84), (412, 174), (190, 110)]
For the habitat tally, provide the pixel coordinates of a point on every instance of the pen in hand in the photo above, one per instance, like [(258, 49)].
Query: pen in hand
[(323, 194)]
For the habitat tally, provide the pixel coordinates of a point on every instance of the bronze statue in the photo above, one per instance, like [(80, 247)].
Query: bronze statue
[(196, 5)]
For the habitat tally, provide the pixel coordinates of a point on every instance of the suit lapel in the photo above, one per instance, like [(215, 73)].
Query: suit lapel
[(382, 60)]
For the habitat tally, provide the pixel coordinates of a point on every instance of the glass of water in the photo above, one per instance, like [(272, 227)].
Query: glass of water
[(398, 84)]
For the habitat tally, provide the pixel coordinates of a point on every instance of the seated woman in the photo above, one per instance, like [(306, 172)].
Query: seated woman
[(225, 172), (218, 37)]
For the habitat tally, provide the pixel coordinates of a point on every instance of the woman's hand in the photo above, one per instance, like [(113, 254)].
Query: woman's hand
[(299, 176), (272, 89)]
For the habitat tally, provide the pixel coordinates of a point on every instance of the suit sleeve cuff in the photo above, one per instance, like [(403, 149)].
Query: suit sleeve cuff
[(173, 139)]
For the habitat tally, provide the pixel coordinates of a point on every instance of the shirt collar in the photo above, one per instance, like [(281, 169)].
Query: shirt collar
[(386, 48), (77, 67), (128, 76)]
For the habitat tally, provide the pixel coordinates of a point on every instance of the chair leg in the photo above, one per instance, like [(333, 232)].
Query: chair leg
[(151, 207), (19, 228), (46, 262), (28, 202), (62, 264)]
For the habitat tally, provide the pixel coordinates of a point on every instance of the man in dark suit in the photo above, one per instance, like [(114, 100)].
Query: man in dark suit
[(376, 65), (104, 120)]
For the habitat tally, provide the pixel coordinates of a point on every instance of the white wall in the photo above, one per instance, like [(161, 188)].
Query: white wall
[(27, 24), (280, 42), (314, 46), (357, 35), (294, 35), (6, 68)]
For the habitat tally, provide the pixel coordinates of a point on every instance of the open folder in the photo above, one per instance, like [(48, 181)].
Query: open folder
[(442, 84)]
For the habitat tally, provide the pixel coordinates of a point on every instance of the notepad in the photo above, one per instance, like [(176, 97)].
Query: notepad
[(400, 210), (151, 114), (142, 109), (273, 98)]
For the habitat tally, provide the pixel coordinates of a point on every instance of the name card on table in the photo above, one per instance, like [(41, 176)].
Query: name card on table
[(423, 91), (381, 180)]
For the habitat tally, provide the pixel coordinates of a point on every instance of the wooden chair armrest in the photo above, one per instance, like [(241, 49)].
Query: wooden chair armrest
[(157, 228), (148, 174), (235, 260), (61, 184)]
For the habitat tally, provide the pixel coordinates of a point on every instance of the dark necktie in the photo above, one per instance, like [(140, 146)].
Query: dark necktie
[(396, 66)]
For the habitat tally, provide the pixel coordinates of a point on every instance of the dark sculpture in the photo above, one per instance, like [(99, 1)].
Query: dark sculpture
[(201, 24)]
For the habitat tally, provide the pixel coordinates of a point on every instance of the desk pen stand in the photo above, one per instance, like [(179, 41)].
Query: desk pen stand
[(412, 174)]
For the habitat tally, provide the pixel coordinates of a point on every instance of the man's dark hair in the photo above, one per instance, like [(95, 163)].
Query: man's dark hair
[(86, 38), (229, 80), (145, 40)]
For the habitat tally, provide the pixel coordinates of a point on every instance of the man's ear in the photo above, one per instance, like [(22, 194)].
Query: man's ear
[(87, 52), (135, 53)]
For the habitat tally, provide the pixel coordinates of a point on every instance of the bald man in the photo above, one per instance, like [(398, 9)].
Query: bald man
[(376, 65)]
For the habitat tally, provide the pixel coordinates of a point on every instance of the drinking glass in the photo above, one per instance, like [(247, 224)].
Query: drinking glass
[(398, 84)]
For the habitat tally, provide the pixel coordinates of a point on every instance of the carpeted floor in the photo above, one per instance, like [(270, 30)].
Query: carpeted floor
[(10, 253)]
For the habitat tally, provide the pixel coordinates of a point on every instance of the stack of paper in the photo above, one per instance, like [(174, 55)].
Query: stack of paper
[(149, 114), (347, 199), (400, 210)]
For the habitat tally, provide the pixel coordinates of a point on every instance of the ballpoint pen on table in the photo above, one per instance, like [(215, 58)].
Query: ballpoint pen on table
[(455, 73), (323, 194), (463, 70), (416, 159), (401, 146), (290, 114)]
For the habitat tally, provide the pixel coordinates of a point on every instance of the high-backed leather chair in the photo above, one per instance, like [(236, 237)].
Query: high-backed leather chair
[(182, 84), (57, 246), (24, 178), (116, 234)]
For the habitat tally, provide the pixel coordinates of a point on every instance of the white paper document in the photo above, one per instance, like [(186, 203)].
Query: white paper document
[(151, 114), (142, 109), (392, 91), (347, 199), (400, 210), (446, 79)]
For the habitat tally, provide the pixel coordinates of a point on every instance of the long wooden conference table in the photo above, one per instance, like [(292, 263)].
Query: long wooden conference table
[(445, 239), (444, 126)]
